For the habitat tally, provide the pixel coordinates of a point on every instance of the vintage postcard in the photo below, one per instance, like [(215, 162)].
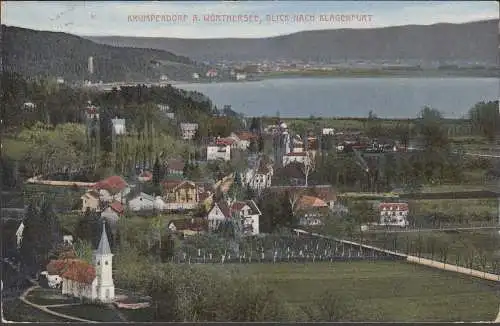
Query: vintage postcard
[(250, 161)]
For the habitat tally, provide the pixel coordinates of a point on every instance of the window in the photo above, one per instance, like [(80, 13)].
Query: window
[(98, 263), (105, 262)]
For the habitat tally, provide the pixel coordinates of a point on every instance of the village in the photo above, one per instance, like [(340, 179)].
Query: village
[(190, 207), (159, 181)]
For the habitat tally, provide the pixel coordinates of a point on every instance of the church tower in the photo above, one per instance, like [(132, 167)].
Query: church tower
[(103, 263)]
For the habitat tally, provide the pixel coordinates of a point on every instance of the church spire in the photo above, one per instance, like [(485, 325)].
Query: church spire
[(103, 248)]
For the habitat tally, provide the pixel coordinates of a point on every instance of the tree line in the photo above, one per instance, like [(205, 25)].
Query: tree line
[(44, 121)]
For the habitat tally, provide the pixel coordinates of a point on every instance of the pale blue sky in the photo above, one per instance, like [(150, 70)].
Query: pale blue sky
[(111, 17)]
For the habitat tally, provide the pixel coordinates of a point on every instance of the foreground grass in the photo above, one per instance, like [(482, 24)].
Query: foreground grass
[(89, 312), (383, 291)]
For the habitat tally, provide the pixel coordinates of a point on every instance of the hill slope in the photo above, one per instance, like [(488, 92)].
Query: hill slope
[(476, 41), (40, 53)]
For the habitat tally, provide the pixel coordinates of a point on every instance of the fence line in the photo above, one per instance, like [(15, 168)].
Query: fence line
[(424, 261)]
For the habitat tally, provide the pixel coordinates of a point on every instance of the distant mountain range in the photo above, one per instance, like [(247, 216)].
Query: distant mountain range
[(475, 42), (34, 53)]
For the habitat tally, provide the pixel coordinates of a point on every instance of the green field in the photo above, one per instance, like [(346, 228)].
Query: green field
[(477, 249), (44, 297), (382, 291)]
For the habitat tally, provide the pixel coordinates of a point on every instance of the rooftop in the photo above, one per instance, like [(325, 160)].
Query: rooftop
[(72, 269), (310, 202), (103, 248), (113, 183)]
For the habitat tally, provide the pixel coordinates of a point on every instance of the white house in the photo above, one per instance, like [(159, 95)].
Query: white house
[(217, 214), (328, 131), (68, 239), (260, 178), (219, 152), (118, 126), (241, 76), (141, 202), (19, 234), (160, 204), (113, 212), (91, 201), (394, 214), (54, 281), (224, 211), (91, 281), (299, 157), (29, 106), (310, 220), (242, 140), (188, 130)]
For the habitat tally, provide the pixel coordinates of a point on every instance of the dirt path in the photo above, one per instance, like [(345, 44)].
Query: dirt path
[(453, 268)]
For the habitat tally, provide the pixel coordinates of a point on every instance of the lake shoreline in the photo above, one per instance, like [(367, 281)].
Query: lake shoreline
[(407, 74)]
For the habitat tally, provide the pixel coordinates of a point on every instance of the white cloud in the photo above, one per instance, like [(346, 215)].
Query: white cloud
[(111, 18)]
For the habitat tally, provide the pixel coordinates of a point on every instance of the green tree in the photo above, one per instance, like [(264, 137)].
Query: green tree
[(430, 126), (157, 172), (41, 234), (373, 126), (260, 144), (254, 125), (89, 228), (253, 147), (83, 250)]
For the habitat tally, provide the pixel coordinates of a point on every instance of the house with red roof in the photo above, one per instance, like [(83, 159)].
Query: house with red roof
[(242, 139), (112, 188), (188, 226), (311, 210), (85, 280), (220, 149), (114, 211), (394, 214)]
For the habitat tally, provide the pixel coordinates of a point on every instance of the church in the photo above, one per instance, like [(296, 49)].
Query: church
[(90, 281)]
